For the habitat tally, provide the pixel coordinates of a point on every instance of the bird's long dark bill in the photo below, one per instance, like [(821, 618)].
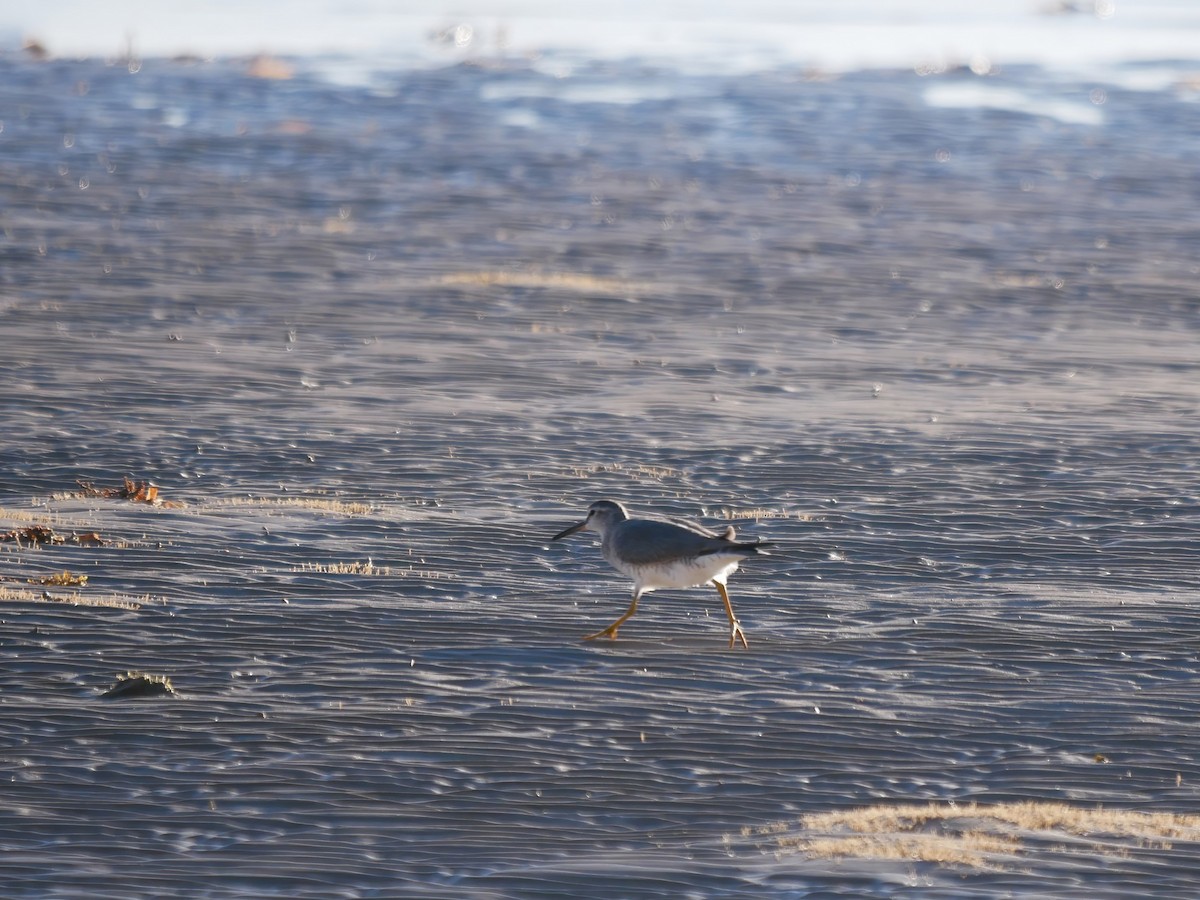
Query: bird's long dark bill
[(570, 531)]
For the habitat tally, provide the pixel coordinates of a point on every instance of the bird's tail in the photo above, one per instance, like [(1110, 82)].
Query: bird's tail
[(750, 548), (755, 546)]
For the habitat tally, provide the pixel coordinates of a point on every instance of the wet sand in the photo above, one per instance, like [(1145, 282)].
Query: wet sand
[(375, 346)]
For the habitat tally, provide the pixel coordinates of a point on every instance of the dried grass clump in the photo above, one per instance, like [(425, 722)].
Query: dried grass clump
[(24, 515), (636, 470), (33, 534), (107, 601), (341, 568), (972, 834), (134, 491), (38, 535), (970, 848), (759, 512), (319, 504), (571, 281), (368, 568), (1031, 815), (61, 579)]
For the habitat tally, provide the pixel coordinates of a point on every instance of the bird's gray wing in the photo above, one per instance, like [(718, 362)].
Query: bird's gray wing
[(646, 541)]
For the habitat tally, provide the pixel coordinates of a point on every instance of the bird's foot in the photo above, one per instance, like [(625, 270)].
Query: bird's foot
[(736, 634), (610, 632)]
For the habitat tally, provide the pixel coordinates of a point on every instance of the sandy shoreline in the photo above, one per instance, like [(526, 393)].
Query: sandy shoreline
[(378, 356)]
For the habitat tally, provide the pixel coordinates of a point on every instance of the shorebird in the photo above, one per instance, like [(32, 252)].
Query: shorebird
[(657, 553)]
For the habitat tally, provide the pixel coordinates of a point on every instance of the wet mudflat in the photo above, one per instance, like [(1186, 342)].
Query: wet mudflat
[(375, 344)]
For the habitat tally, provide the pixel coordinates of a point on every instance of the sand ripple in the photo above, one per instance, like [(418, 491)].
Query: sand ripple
[(380, 361)]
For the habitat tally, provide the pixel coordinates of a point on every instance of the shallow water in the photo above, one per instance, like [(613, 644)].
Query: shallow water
[(944, 356)]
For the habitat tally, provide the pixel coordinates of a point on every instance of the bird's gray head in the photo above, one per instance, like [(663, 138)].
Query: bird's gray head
[(602, 515)]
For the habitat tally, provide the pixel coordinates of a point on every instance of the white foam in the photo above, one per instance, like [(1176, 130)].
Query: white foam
[(701, 36), (980, 94)]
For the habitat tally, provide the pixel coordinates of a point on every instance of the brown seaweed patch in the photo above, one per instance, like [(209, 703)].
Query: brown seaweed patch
[(972, 834), (136, 685), (37, 535), (134, 491), (271, 68), (90, 539), (61, 579), (34, 49), (33, 534)]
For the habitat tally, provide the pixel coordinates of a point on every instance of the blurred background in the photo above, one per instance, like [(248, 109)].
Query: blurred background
[(381, 295), (706, 35)]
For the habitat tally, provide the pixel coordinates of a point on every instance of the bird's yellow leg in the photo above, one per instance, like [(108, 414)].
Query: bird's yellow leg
[(611, 630), (735, 627)]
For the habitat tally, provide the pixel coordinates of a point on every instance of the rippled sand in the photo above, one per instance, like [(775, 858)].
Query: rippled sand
[(375, 347)]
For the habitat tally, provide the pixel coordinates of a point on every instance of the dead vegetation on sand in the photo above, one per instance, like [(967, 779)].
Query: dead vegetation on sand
[(134, 491), (976, 835), (60, 579), (579, 282), (139, 685), (370, 569), (316, 504), (105, 601), (39, 535)]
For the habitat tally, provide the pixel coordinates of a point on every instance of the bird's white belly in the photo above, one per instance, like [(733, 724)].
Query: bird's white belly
[(680, 573)]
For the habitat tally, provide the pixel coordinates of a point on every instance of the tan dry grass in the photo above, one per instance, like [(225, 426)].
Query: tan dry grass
[(971, 848), (1029, 815), (759, 512), (37, 515), (340, 568), (109, 601), (968, 834), (579, 282), (637, 470), (369, 568), (317, 504)]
